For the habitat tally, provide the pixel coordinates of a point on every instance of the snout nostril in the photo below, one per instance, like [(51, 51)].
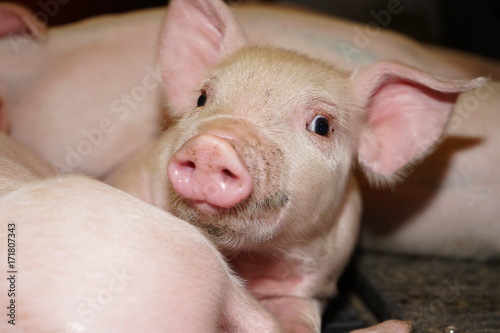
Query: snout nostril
[(188, 165), (228, 173)]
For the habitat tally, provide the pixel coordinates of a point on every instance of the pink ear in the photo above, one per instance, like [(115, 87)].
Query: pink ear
[(407, 112), (17, 19), (196, 35)]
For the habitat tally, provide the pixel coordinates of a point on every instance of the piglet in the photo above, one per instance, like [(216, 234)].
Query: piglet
[(262, 151), (73, 93), (85, 257)]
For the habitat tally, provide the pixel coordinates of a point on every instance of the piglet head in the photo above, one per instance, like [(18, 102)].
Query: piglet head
[(265, 138), (265, 156)]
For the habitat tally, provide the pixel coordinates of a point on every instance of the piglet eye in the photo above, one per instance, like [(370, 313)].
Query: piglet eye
[(319, 125), (202, 99)]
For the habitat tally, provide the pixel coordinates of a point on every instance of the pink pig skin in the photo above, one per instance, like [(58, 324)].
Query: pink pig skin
[(19, 165), (245, 162), (108, 262)]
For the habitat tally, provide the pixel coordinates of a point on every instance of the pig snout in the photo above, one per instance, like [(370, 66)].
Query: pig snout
[(208, 170)]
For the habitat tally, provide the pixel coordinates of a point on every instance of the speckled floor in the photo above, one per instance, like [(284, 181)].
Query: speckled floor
[(438, 295)]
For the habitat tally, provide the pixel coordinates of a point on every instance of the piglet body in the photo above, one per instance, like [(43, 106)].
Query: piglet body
[(261, 154), (111, 263)]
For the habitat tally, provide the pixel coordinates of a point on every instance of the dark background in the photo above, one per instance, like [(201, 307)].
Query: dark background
[(462, 24)]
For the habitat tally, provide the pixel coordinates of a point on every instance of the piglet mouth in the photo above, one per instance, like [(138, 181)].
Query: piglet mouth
[(278, 200), (206, 208), (244, 225)]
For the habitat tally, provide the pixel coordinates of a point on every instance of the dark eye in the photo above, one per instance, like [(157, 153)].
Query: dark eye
[(319, 125), (202, 99)]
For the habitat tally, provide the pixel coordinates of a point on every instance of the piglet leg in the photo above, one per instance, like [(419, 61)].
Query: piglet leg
[(390, 326)]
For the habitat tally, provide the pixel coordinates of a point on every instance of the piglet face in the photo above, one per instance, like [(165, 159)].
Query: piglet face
[(265, 153)]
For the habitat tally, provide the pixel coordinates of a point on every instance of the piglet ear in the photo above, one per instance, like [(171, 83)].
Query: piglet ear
[(18, 20), (406, 114), (196, 35)]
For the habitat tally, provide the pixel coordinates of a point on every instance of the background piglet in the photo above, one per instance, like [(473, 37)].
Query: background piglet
[(75, 94), (262, 153)]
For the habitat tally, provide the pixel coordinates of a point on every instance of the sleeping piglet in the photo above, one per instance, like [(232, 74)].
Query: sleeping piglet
[(261, 152)]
